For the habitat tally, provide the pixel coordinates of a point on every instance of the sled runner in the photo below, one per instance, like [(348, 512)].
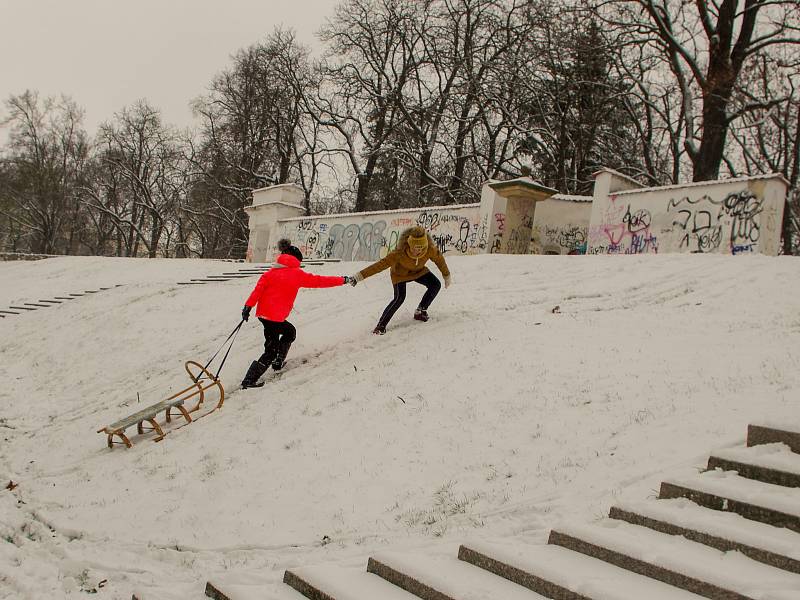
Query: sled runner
[(145, 419)]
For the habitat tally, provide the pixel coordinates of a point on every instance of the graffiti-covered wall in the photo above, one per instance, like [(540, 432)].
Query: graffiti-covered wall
[(561, 225), (732, 216), (370, 236)]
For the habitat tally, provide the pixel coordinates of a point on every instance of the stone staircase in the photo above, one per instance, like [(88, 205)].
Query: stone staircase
[(24, 307), (731, 532), (248, 272)]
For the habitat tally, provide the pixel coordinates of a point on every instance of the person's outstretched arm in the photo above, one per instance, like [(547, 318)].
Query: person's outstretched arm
[(310, 280), (375, 268)]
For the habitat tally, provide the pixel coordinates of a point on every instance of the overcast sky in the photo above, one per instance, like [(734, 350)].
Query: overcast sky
[(106, 54)]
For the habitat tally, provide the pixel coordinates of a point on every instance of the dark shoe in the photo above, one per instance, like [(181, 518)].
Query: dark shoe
[(421, 314), (379, 330), (255, 371), (280, 358)]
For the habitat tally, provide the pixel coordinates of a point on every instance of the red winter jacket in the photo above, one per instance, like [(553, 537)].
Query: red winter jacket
[(277, 288)]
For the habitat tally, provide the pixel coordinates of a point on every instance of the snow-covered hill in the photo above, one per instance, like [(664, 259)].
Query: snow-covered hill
[(500, 417)]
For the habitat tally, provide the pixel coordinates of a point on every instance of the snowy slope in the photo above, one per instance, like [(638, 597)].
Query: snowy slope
[(497, 418)]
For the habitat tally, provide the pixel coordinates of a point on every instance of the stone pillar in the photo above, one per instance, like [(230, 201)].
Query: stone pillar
[(507, 211), (269, 205)]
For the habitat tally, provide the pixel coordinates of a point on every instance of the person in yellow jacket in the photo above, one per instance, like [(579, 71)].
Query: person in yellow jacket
[(407, 263)]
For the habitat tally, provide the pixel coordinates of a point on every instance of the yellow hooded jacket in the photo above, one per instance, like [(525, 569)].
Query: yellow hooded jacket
[(405, 267)]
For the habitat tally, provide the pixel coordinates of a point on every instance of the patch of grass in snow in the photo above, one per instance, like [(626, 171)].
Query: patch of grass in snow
[(641, 417), (447, 504)]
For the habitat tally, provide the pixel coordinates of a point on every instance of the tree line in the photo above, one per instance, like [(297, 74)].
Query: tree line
[(417, 104)]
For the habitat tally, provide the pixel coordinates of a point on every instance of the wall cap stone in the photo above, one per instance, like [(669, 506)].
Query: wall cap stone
[(694, 184), (511, 186), (279, 185), (617, 174), (380, 212), (272, 203)]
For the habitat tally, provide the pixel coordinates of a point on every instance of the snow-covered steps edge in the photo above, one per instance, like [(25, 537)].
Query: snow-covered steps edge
[(730, 500), (768, 434), (522, 577), (771, 463), (641, 567), (705, 533), (329, 582), (755, 472), (557, 572), (678, 561), (248, 591), (213, 592), (445, 578)]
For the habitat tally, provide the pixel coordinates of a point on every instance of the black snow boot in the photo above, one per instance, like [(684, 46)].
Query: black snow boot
[(255, 371), (280, 357), (421, 314)]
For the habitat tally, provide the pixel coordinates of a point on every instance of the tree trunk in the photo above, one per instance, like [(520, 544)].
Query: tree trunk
[(715, 130)]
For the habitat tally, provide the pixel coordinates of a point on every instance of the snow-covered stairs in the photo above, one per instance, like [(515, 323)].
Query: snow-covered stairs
[(729, 533)]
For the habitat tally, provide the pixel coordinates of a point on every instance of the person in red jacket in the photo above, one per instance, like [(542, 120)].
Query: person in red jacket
[(274, 295)]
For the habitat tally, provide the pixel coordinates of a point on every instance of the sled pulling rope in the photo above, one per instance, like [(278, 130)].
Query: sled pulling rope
[(145, 419)]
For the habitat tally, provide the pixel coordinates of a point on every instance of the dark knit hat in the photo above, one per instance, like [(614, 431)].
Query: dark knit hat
[(285, 247)]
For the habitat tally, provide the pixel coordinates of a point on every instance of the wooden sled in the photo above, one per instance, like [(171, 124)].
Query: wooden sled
[(145, 419)]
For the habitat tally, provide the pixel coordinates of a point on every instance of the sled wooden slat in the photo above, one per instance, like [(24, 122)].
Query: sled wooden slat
[(145, 419)]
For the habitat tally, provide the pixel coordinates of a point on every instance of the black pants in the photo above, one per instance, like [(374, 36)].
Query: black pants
[(277, 335), (429, 280)]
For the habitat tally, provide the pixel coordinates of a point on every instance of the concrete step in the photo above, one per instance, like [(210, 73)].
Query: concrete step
[(341, 583), (770, 463), (725, 490), (769, 433), (678, 561), (445, 578), (226, 590), (557, 572), (724, 531)]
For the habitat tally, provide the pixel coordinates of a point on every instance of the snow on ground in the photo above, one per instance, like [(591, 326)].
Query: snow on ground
[(497, 419)]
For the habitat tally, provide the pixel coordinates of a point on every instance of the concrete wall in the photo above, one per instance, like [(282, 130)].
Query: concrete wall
[(269, 205), (731, 216), (371, 235), (561, 225)]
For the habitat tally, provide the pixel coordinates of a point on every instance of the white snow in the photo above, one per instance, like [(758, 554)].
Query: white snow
[(725, 525), (582, 574), (778, 457), (496, 419), (728, 484), (455, 578), (729, 570)]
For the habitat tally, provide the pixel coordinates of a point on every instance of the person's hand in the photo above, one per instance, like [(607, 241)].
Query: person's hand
[(354, 279), (448, 279), (246, 313)]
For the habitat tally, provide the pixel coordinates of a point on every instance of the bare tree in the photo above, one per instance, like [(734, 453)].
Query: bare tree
[(141, 179), (43, 164), (708, 44)]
